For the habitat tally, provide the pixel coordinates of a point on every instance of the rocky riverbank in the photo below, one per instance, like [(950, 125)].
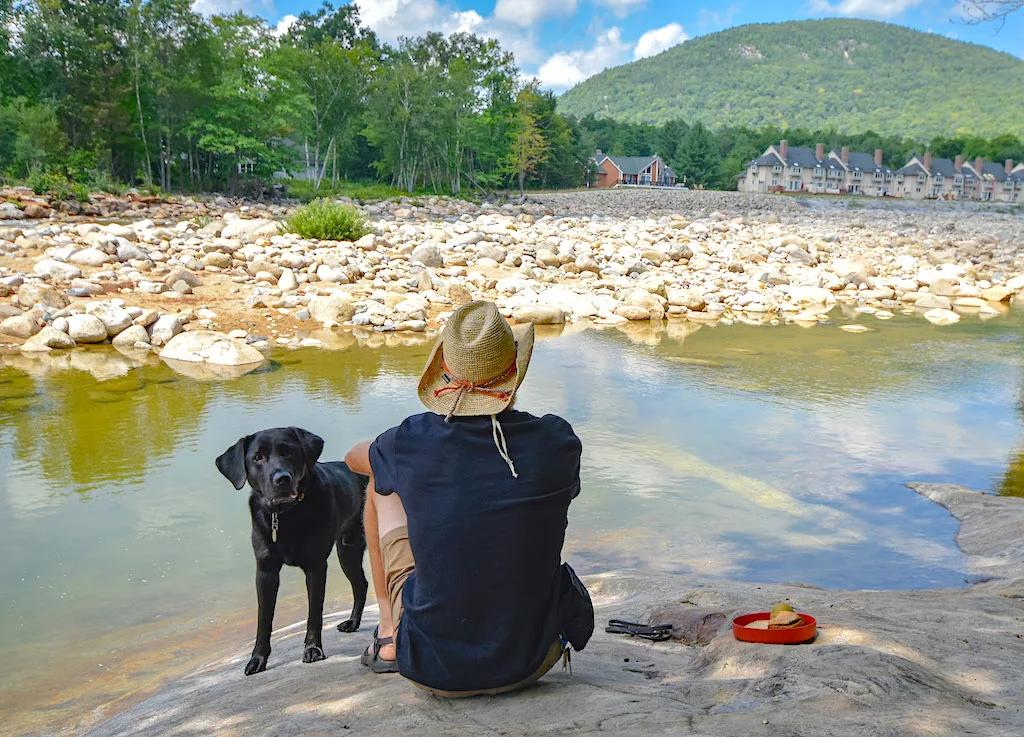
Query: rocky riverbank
[(138, 272), (935, 663)]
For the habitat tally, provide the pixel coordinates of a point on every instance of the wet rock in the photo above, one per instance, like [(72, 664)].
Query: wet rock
[(207, 346), (633, 312), (86, 329), (941, 317)]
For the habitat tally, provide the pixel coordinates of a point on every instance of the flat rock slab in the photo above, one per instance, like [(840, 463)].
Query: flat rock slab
[(208, 346), (941, 662)]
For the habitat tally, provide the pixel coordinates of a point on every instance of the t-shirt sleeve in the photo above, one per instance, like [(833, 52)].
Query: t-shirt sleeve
[(384, 462), (572, 450)]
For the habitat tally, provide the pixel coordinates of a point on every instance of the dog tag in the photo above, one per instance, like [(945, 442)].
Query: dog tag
[(273, 527)]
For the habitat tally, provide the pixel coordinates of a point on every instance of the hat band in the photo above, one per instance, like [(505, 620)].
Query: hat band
[(458, 385)]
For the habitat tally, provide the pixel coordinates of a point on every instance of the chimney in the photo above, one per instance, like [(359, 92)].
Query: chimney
[(599, 152), (928, 161), (846, 154), (1009, 165), (979, 165), (878, 157), (783, 149), (819, 152), (958, 163)]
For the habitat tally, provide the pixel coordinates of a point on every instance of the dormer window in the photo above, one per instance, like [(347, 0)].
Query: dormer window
[(818, 171), (777, 168), (856, 175), (938, 179)]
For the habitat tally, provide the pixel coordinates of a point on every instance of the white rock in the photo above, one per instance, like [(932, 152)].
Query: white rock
[(164, 329), (538, 314), (86, 329), (47, 339), (130, 337), (114, 318), (942, 317), (207, 346), (335, 308), (56, 270), (287, 281), (90, 257)]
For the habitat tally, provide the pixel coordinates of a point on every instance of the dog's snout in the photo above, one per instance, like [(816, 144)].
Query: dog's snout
[(281, 478)]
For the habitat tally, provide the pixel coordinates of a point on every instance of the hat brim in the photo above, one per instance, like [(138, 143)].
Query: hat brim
[(474, 403)]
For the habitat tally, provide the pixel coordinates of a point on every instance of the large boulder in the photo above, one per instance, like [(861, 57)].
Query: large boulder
[(86, 329), (250, 230), (21, 326), (9, 211), (538, 314), (429, 256), (114, 318), (331, 309), (48, 339), (164, 329), (56, 270), (208, 346), (90, 257), (34, 293), (130, 336)]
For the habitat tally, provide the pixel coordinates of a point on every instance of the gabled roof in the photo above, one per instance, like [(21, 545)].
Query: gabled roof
[(634, 164), (913, 168), (945, 167), (991, 169), (866, 163)]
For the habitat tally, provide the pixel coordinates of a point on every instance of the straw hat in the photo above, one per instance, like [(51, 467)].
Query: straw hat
[(477, 364)]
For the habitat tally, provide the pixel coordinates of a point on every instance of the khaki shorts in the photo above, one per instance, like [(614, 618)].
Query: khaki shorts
[(398, 564)]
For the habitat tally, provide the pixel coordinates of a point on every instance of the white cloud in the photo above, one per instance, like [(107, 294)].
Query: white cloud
[(568, 68), (716, 19), (659, 39), (864, 8), (215, 7), (284, 24), (622, 8), (526, 13), (393, 18)]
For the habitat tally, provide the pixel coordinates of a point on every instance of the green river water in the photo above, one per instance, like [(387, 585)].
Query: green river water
[(737, 452)]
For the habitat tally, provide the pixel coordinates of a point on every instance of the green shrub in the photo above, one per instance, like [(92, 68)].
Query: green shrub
[(80, 191), (328, 221)]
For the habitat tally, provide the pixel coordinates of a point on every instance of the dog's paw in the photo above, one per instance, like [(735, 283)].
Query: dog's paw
[(312, 654), (256, 664), (348, 626)]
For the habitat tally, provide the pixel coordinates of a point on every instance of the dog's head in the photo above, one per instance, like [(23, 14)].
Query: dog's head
[(274, 462)]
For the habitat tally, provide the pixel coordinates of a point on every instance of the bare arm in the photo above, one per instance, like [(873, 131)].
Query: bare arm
[(358, 459)]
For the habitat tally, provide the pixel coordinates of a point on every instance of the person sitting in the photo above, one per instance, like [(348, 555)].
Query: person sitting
[(465, 519)]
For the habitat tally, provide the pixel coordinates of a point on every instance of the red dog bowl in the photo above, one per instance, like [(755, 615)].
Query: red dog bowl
[(804, 633)]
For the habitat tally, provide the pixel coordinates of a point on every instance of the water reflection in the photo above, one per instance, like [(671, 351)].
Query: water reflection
[(766, 453)]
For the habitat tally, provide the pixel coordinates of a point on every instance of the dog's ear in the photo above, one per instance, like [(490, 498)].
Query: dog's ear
[(231, 462), (312, 446)]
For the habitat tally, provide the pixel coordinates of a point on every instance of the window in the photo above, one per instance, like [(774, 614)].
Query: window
[(856, 176), (753, 168), (888, 176), (921, 178), (899, 177), (958, 181), (819, 172), (821, 186), (938, 179), (879, 176), (775, 182), (794, 185), (777, 168), (1008, 184), (855, 189)]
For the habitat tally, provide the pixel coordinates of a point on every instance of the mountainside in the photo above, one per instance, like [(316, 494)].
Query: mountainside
[(853, 75)]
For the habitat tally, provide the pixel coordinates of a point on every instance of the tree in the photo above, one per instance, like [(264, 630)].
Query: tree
[(529, 149), (981, 11), (698, 158)]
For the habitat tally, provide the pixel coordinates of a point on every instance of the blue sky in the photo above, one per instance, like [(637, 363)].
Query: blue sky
[(563, 42)]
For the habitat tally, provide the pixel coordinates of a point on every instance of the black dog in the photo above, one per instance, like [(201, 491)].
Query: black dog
[(300, 510)]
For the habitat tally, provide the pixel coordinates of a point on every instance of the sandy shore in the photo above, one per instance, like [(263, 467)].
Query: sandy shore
[(940, 662)]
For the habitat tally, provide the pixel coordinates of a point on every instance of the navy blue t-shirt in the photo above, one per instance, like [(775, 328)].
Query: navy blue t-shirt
[(481, 606)]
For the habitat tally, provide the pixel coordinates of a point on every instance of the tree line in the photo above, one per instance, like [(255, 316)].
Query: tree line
[(111, 93), (149, 91)]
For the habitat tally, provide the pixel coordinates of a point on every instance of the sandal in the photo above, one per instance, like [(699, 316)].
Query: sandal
[(371, 656), (652, 632)]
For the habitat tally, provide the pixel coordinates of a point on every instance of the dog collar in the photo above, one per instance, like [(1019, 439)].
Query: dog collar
[(273, 519)]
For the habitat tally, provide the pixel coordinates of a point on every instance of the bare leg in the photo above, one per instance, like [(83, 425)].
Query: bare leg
[(383, 514)]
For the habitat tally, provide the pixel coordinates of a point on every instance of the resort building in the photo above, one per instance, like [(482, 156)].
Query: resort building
[(785, 168), (647, 171)]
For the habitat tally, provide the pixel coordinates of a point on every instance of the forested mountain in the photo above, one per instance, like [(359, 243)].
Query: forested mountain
[(850, 75)]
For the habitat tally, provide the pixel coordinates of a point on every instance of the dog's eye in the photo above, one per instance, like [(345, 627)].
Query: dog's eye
[(257, 457)]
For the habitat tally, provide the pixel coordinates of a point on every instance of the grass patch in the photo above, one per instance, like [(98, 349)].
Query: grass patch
[(358, 191), (328, 221)]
